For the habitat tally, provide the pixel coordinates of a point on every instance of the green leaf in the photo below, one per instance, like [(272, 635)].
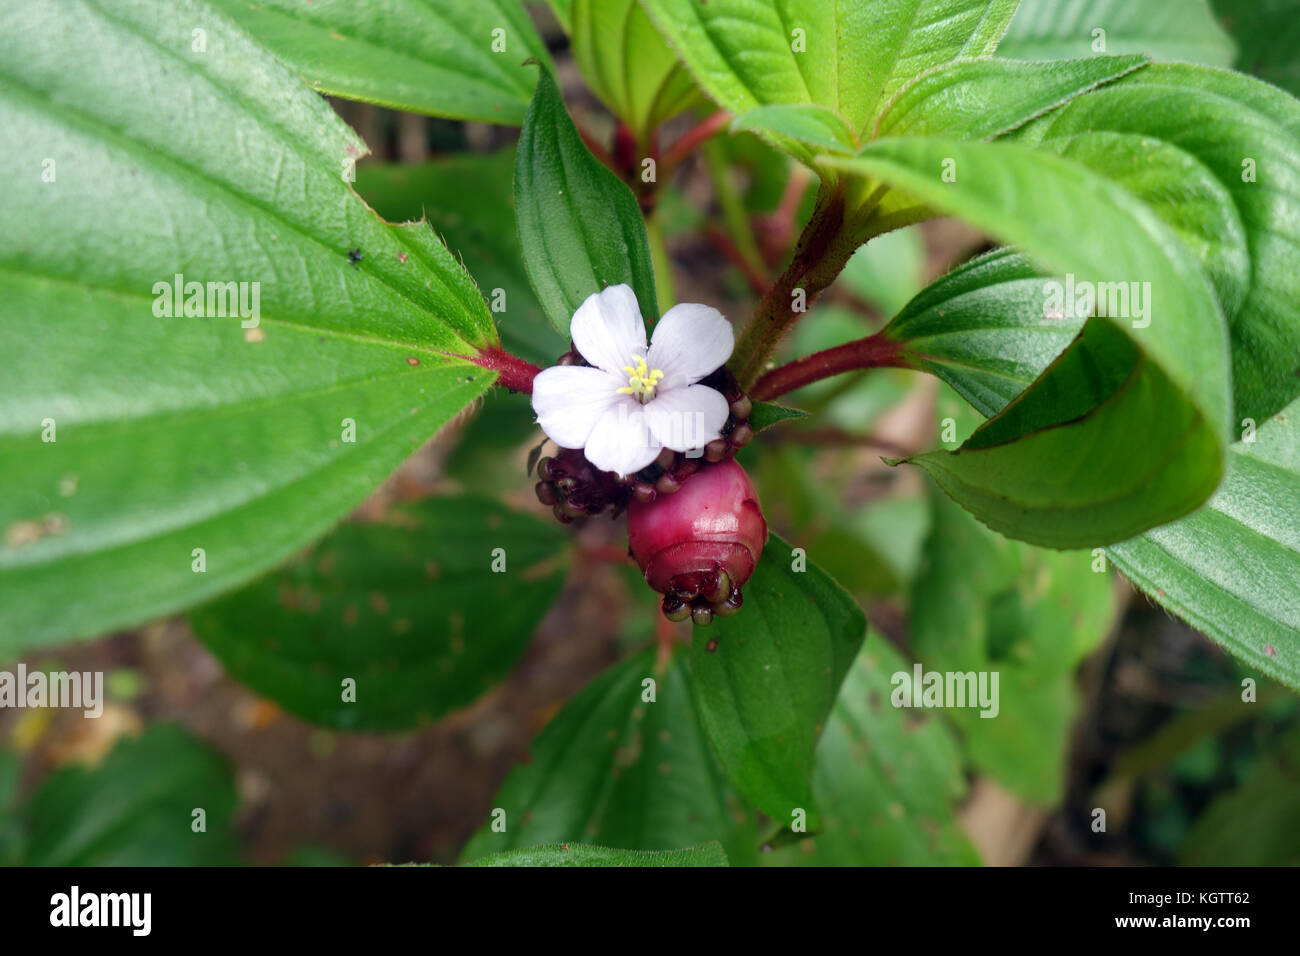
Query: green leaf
[(455, 58), (1164, 29), (421, 612), (981, 99), (469, 201), (767, 414), (982, 604), (627, 64), (580, 227), (577, 854), (980, 328), (765, 690), (1227, 568), (1230, 570), (1217, 155), (850, 57), (1267, 34), (804, 130), (1258, 823), (1127, 429), (136, 808), (621, 770), (129, 439), (887, 780)]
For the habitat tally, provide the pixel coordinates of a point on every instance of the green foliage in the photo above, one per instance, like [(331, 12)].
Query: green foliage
[(455, 58), (581, 228), (577, 854), (764, 691), (886, 780), (1165, 29), (625, 765), (1267, 34), (137, 808), (1217, 156), (421, 612), (627, 64), (982, 99), (983, 604), (849, 58), (1230, 570), (131, 436), (1258, 823), (1155, 394), (469, 202)]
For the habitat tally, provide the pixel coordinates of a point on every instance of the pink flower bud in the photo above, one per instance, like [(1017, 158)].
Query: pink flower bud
[(698, 546)]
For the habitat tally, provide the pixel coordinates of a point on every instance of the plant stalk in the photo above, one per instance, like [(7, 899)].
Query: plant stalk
[(874, 351)]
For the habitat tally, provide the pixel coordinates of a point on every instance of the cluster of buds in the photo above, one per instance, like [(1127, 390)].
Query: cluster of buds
[(573, 488)]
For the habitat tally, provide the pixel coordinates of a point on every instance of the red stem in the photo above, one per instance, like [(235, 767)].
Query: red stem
[(512, 371), (689, 141), (871, 352)]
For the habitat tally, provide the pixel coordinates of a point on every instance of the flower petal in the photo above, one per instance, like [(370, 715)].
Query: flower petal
[(620, 442), (688, 343), (686, 418), (569, 400), (607, 330)]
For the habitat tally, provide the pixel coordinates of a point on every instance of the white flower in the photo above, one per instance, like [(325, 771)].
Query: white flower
[(635, 401)]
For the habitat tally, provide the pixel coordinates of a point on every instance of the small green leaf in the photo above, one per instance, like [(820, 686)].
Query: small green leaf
[(621, 770), (1165, 29), (887, 780), (421, 613), (767, 414), (628, 65), (159, 458), (766, 689), (982, 99), (981, 604), (850, 57), (136, 808), (455, 58), (1231, 569), (580, 227), (1127, 429), (577, 854)]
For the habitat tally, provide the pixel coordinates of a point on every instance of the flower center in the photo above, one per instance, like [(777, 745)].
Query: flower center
[(641, 382)]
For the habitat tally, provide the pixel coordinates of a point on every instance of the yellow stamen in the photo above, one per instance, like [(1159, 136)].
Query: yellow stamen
[(641, 382)]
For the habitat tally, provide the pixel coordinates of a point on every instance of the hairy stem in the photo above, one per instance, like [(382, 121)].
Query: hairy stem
[(819, 255), (872, 352), (513, 372)]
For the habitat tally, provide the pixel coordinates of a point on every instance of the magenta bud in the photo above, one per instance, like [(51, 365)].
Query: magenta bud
[(700, 544)]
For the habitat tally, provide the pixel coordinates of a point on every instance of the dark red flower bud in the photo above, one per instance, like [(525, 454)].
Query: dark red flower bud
[(699, 545)]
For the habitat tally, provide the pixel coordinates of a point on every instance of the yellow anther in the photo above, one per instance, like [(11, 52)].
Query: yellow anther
[(641, 381)]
